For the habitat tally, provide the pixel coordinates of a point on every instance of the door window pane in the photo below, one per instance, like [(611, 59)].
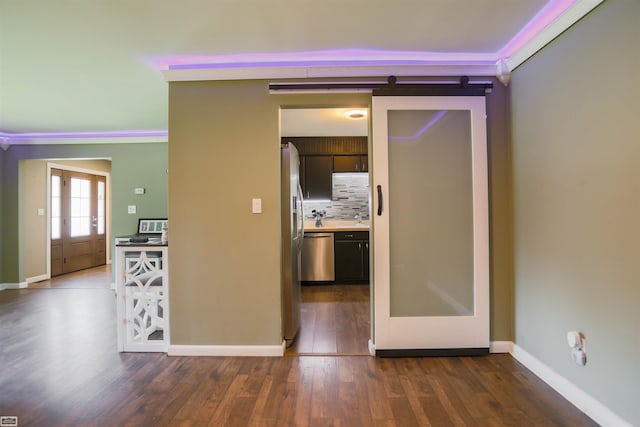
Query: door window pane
[(56, 205), (80, 207), (430, 213), (101, 208)]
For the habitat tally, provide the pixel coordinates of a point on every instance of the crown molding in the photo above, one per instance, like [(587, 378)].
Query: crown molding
[(555, 18), (113, 137), (310, 72), (564, 21)]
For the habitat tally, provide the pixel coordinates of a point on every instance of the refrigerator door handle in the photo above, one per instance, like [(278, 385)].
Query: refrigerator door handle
[(301, 216), (379, 200)]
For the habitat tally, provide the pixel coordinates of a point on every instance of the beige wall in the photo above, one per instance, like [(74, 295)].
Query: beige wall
[(33, 190), (576, 174), (225, 261)]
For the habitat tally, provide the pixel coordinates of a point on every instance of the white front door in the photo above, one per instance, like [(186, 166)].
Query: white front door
[(431, 240)]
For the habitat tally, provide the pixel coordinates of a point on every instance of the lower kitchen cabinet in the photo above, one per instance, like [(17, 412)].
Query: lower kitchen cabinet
[(352, 256)]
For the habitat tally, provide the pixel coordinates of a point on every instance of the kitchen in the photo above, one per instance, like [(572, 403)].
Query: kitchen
[(332, 153)]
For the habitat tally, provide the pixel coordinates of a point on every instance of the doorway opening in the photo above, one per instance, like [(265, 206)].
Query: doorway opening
[(78, 221), (78, 200), (335, 300)]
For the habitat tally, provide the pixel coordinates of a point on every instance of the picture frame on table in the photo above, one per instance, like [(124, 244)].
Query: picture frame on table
[(152, 225)]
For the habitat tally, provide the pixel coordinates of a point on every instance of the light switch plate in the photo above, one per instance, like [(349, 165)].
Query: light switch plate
[(138, 190), (40, 211), (131, 209), (256, 206)]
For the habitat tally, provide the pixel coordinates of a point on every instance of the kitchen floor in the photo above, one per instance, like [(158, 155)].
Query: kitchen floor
[(335, 320)]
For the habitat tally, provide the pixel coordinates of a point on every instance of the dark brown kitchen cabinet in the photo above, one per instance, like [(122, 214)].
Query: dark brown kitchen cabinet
[(350, 163), (352, 256), (316, 177)]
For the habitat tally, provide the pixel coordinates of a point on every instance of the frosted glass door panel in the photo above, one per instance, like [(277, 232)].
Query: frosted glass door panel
[(430, 213)]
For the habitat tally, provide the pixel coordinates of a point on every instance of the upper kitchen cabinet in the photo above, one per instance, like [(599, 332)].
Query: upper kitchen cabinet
[(316, 177), (320, 156), (329, 145), (350, 163)]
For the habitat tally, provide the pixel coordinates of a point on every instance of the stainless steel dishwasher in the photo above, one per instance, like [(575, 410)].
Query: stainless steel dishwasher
[(317, 258)]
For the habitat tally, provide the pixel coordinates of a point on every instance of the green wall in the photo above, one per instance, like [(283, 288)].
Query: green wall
[(133, 165), (576, 178), (225, 261), (33, 194)]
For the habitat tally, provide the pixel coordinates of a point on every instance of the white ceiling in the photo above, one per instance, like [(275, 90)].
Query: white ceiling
[(321, 122), (93, 66)]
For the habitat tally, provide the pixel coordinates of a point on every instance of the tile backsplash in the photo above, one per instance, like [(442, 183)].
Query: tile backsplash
[(350, 197)]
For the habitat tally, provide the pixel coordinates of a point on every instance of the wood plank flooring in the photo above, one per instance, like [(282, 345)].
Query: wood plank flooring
[(59, 367), (335, 319)]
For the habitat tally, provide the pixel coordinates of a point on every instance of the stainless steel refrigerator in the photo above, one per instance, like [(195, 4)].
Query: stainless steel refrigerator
[(292, 235)]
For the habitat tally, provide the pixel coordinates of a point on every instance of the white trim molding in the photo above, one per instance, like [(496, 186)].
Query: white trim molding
[(578, 397), (501, 347), (339, 71), (121, 137), (372, 348), (36, 279), (20, 285), (228, 350), (560, 24)]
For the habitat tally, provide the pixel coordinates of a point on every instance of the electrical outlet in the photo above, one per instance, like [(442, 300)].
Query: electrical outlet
[(131, 209), (579, 356), (578, 345)]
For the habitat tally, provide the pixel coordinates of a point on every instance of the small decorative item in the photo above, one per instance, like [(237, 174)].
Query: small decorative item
[(164, 237), (318, 215)]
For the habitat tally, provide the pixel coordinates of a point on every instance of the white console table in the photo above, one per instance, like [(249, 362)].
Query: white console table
[(142, 292)]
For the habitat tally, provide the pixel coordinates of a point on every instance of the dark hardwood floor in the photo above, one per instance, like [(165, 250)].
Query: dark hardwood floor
[(59, 367), (335, 319)]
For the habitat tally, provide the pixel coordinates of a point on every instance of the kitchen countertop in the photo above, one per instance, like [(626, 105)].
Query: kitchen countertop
[(332, 226)]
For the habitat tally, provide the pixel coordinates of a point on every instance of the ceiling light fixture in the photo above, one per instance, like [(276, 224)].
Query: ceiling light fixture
[(356, 114)]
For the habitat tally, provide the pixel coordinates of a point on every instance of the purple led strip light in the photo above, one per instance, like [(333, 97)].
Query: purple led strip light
[(87, 135), (352, 57), (547, 15), (360, 57)]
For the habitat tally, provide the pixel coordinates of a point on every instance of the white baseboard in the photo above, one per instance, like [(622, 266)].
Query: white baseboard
[(227, 350), (20, 285), (580, 399), (39, 278), (372, 348), (501, 347)]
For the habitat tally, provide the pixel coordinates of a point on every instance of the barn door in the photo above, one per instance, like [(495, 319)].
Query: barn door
[(431, 263)]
